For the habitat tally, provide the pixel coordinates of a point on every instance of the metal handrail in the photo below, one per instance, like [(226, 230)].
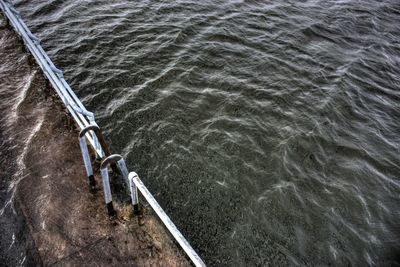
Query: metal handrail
[(91, 131), (197, 261)]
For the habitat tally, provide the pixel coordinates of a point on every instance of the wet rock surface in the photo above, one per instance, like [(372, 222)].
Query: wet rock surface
[(48, 216)]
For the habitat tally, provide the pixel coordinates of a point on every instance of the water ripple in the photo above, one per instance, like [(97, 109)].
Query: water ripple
[(267, 130)]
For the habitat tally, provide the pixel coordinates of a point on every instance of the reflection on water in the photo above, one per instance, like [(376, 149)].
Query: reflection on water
[(269, 131)]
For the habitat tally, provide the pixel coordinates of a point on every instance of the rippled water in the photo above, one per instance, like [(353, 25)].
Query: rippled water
[(268, 130)]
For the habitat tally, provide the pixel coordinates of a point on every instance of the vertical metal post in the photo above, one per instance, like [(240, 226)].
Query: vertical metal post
[(132, 186), (107, 192), (87, 162), (134, 195), (112, 159)]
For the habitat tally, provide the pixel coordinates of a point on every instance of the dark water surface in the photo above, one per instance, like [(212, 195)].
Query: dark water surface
[(268, 130)]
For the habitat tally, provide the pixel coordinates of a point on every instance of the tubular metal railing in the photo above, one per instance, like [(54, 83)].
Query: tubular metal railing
[(91, 131)]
